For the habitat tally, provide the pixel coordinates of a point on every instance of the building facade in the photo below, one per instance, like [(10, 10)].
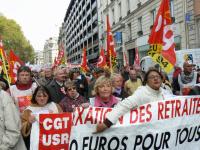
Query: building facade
[(132, 21), (80, 30), (192, 23), (39, 58), (50, 50)]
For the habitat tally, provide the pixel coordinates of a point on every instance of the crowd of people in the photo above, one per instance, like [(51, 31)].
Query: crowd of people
[(62, 89)]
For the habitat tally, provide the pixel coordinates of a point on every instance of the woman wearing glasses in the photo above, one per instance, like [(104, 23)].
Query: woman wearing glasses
[(151, 91), (72, 99)]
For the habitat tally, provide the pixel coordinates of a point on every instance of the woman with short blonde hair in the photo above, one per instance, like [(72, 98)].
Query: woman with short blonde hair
[(103, 90)]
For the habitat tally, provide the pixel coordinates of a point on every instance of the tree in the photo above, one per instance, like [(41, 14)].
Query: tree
[(13, 38)]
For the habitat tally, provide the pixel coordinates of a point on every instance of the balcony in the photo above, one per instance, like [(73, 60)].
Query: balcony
[(140, 33), (92, 56), (89, 22), (94, 17), (139, 4), (94, 5), (95, 42), (95, 30), (129, 38), (87, 2), (88, 12)]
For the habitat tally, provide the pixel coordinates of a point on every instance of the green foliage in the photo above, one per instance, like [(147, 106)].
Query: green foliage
[(13, 38)]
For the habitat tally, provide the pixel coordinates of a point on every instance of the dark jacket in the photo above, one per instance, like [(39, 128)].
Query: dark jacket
[(56, 91), (176, 86), (82, 86), (195, 90)]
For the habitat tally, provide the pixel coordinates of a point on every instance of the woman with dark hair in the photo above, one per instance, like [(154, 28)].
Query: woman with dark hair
[(41, 102), (150, 92)]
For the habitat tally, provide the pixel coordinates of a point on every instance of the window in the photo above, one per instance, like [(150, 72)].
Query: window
[(129, 32), (172, 8), (140, 24), (113, 15), (140, 32), (128, 5), (153, 16), (120, 11)]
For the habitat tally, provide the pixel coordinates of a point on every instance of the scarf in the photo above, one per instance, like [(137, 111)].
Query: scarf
[(99, 103), (187, 78), (23, 86), (118, 91)]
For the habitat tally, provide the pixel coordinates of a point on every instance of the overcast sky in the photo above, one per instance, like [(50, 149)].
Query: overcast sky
[(39, 19)]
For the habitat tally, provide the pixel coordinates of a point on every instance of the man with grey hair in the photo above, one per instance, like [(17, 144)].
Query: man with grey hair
[(56, 86), (117, 81), (185, 80), (48, 76)]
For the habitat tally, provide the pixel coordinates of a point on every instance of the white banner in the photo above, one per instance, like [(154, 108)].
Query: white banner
[(171, 124)]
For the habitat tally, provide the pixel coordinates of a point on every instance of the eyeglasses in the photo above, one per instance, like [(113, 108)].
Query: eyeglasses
[(154, 77), (70, 89)]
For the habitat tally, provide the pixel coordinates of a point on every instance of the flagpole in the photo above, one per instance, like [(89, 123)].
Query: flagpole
[(4, 65), (110, 59)]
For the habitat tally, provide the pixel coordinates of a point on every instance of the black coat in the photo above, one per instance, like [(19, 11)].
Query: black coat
[(56, 91), (82, 86)]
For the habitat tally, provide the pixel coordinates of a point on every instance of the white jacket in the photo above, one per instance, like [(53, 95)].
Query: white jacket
[(10, 124), (143, 95)]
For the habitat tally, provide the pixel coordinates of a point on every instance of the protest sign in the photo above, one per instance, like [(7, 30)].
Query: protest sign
[(55, 131), (170, 124)]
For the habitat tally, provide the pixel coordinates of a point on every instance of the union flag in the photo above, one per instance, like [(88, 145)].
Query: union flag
[(102, 59), (161, 40), (111, 53)]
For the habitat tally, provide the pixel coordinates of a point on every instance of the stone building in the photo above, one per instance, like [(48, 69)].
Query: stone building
[(132, 21)]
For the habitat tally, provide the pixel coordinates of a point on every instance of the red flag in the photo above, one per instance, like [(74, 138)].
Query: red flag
[(84, 66), (111, 54), (15, 63), (59, 60), (102, 60), (161, 40), (137, 58)]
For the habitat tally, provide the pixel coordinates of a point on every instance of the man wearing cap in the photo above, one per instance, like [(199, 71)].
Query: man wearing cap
[(185, 80)]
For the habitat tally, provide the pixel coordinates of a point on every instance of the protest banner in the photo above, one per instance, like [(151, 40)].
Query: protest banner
[(170, 124)]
